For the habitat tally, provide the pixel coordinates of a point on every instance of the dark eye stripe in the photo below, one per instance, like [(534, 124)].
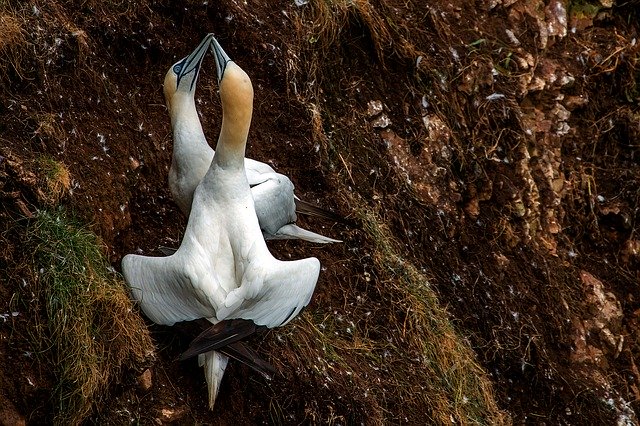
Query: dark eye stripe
[(192, 62)]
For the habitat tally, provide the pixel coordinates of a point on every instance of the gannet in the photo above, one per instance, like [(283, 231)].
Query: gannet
[(223, 269), (273, 193)]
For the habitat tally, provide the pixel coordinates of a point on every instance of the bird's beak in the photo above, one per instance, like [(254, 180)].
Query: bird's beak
[(190, 66), (222, 59)]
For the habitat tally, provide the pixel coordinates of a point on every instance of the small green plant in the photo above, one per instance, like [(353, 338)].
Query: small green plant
[(456, 386), (584, 8)]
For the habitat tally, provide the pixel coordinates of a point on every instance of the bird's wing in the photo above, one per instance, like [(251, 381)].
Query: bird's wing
[(167, 251), (172, 289), (275, 205), (271, 292), (255, 168), (274, 202)]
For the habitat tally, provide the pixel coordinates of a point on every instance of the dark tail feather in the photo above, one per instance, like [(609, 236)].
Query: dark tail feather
[(218, 336), (167, 251), (304, 207), (247, 356)]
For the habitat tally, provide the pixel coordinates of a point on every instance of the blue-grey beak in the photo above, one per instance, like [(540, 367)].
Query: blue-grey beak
[(222, 59), (190, 66)]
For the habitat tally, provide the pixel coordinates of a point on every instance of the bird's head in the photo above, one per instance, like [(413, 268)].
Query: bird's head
[(236, 90), (181, 79)]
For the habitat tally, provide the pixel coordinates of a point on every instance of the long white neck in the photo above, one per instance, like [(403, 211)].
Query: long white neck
[(185, 121)]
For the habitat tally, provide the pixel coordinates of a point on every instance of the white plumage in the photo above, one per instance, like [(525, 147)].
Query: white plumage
[(273, 193), (222, 269)]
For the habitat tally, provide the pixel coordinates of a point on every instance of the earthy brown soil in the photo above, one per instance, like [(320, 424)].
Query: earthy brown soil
[(510, 173)]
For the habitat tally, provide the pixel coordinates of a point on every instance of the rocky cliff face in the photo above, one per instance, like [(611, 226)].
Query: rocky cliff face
[(484, 153)]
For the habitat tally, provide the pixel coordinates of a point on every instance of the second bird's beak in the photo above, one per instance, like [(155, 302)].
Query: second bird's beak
[(222, 59), (190, 66)]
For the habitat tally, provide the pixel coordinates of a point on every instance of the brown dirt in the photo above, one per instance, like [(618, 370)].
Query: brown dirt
[(509, 175)]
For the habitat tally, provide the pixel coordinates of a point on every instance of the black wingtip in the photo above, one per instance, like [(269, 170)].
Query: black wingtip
[(218, 336), (244, 354), (225, 337)]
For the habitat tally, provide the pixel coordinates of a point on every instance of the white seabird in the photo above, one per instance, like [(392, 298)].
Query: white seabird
[(223, 269), (275, 201)]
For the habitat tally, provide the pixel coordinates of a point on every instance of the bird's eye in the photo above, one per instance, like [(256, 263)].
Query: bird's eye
[(177, 68)]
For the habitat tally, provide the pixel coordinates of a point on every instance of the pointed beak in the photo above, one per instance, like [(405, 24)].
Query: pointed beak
[(222, 59), (189, 67)]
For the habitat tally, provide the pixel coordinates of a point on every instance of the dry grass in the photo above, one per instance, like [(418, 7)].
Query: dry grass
[(324, 26), (390, 354), (328, 22), (12, 44), (449, 382), (11, 32), (54, 180), (36, 41), (88, 331), (48, 127)]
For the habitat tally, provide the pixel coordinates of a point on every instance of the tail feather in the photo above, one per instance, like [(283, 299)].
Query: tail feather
[(217, 344), (214, 364), (292, 232), (305, 207)]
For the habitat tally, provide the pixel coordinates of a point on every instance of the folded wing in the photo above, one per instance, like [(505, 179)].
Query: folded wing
[(167, 291)]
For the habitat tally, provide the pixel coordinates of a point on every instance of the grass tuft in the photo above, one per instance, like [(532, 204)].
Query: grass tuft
[(448, 380), (87, 331), (55, 180), (407, 342), (12, 41), (11, 33)]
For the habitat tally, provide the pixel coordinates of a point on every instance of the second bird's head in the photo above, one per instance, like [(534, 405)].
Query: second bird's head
[(181, 79)]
